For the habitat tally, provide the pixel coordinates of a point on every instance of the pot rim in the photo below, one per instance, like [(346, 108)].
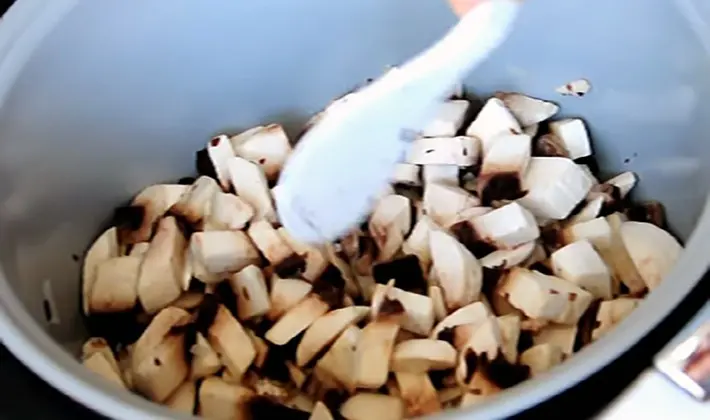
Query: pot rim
[(24, 26)]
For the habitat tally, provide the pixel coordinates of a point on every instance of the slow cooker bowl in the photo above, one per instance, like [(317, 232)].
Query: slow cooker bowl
[(100, 99)]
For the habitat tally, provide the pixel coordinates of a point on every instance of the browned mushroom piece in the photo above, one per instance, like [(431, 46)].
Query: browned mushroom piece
[(418, 241), (231, 342), (160, 326), (372, 357), (562, 336), (418, 393), (100, 365), (541, 358), (267, 146), (443, 203), (653, 251), (338, 363), (219, 150), (296, 320), (509, 326), (205, 361), (222, 252), (183, 399), (418, 309), (162, 271), (504, 165), (353, 285), (549, 145), (221, 400), (135, 223), (104, 248), (162, 370), (320, 412), (326, 329), (189, 300), (527, 110), (369, 406), (228, 212), (285, 294), (275, 249), (508, 258), (457, 270), (101, 346), (625, 182), (611, 313), (315, 257), (389, 223), (423, 355), (252, 294), (251, 185), (195, 204), (472, 314), (116, 286)]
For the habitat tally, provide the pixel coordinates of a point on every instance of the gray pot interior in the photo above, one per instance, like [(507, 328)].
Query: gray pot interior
[(118, 97)]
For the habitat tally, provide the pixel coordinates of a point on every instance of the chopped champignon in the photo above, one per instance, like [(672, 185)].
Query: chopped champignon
[(115, 287), (183, 399), (339, 361), (407, 174), (320, 412), (591, 210), (544, 297), (441, 174), (154, 201), (625, 182), (103, 249), (577, 88), (205, 361), (372, 356), (580, 264), (315, 259), (101, 346), (449, 117), (509, 326), (562, 336), (554, 187), (161, 274), (459, 272), (353, 284), (443, 203), (252, 295), (160, 326), (97, 363), (326, 329), (507, 226), (268, 146), (228, 212), (504, 164), (221, 400), (231, 342), (418, 393), (250, 184), (219, 150), (494, 119), (611, 313), (223, 252), (389, 223), (549, 145), (275, 249), (285, 294), (573, 134), (461, 151), (195, 203), (423, 355), (418, 241), (531, 130), (139, 249), (296, 320), (527, 110), (369, 406), (159, 374), (653, 251), (508, 258), (541, 358), (472, 314), (437, 300), (418, 309), (406, 271)]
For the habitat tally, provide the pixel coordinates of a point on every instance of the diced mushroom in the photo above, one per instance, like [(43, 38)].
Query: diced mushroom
[(450, 395), (252, 295), (504, 165), (437, 300), (103, 249), (625, 182), (544, 297), (262, 349), (418, 309), (580, 264), (326, 329), (315, 258), (573, 133), (369, 406), (285, 294), (562, 336), (354, 286), (418, 241), (494, 119), (588, 172), (459, 272), (270, 243), (531, 130), (541, 358), (161, 324), (423, 355), (550, 145), (228, 212), (611, 313), (389, 224), (461, 151), (448, 119), (320, 412), (406, 174), (624, 266), (183, 399), (441, 174), (162, 271), (653, 250), (100, 345), (115, 287), (231, 342), (577, 88), (372, 356), (507, 226), (442, 203), (472, 314), (487, 339), (205, 361), (339, 361), (162, 371), (221, 400), (468, 215), (222, 252), (97, 363), (418, 393), (219, 150), (555, 186), (250, 184), (509, 326), (527, 110), (590, 211), (139, 249), (509, 258), (149, 205), (470, 399), (195, 204), (268, 146), (189, 300), (296, 320)]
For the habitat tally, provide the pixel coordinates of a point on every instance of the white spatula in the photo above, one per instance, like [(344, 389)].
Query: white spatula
[(342, 164)]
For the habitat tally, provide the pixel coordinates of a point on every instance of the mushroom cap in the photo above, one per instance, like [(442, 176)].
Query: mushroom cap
[(653, 250), (422, 355)]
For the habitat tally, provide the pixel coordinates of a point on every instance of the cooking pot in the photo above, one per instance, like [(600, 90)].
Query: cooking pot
[(100, 99)]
